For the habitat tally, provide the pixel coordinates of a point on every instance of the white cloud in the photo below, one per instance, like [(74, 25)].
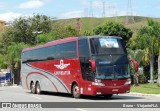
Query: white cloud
[(31, 4), (10, 16), (72, 14)]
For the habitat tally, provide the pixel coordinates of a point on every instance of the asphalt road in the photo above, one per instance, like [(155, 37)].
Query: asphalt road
[(17, 94)]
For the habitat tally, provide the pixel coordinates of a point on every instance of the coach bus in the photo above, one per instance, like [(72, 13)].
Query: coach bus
[(89, 65)]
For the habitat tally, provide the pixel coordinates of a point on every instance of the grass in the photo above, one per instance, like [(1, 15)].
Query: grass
[(89, 23), (146, 88)]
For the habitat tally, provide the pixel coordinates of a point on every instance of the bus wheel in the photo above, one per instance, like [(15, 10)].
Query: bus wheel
[(75, 91), (108, 96), (32, 87), (38, 88)]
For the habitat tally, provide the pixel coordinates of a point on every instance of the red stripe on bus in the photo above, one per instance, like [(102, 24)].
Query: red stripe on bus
[(41, 75)]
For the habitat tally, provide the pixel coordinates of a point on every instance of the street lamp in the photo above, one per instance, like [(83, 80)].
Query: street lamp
[(37, 32)]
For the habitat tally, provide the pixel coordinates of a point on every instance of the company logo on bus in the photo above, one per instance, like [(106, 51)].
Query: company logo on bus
[(62, 65)]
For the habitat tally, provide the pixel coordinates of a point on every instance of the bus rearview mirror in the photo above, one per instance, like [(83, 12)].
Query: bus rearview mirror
[(93, 65)]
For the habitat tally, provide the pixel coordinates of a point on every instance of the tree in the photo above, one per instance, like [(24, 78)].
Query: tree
[(14, 51), (41, 23), (59, 32), (14, 57), (6, 39), (137, 55), (113, 29), (87, 33), (148, 40), (4, 63), (26, 29), (158, 69)]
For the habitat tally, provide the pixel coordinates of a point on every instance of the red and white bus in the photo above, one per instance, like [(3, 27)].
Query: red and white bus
[(94, 65)]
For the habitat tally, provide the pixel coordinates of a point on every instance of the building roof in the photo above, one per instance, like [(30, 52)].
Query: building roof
[(2, 25)]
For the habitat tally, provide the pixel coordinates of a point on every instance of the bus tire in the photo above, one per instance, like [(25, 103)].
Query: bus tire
[(108, 96), (38, 88), (32, 87), (75, 91)]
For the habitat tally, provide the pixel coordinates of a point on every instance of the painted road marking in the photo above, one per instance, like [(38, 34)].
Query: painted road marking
[(36, 97), (79, 109)]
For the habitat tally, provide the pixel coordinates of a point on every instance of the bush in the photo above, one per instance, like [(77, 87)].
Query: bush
[(155, 75), (141, 79)]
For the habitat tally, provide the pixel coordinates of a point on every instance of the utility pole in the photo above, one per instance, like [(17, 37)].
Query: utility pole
[(86, 12), (129, 17)]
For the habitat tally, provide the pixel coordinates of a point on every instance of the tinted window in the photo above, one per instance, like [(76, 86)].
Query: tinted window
[(66, 50), (51, 52), (107, 46), (61, 51), (84, 55), (83, 48)]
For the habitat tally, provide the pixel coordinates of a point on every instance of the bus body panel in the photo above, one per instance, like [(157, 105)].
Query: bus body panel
[(111, 87), (59, 75), (47, 80)]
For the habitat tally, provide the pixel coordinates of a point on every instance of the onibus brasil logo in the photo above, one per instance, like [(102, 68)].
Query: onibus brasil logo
[(62, 65)]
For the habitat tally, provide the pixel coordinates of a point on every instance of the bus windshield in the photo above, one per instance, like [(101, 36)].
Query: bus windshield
[(107, 46), (111, 58)]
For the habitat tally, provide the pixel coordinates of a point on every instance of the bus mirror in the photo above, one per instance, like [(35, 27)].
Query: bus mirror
[(93, 65)]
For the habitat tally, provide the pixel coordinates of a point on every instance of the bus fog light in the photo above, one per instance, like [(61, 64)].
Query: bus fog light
[(97, 84), (98, 93), (128, 82)]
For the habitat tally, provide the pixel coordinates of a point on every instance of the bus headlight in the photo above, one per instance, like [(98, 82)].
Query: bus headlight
[(97, 84), (127, 82)]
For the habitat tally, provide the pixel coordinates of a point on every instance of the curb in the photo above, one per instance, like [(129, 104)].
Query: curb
[(142, 94)]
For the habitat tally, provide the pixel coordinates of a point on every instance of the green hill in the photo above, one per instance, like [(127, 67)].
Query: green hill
[(88, 24)]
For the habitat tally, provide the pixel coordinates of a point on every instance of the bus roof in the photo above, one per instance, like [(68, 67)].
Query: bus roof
[(59, 41), (52, 43), (99, 36)]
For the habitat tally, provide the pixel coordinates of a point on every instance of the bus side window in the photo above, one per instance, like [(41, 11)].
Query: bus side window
[(83, 50), (84, 56), (51, 53), (66, 50)]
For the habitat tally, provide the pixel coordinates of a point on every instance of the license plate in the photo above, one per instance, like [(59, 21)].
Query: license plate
[(114, 90)]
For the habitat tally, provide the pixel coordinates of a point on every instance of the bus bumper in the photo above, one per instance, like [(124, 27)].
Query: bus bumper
[(104, 90)]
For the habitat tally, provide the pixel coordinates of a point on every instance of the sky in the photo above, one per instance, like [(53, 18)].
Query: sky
[(62, 9)]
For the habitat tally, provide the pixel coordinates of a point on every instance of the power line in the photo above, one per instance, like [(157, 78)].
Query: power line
[(91, 9), (104, 10), (129, 17), (114, 12), (86, 12)]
